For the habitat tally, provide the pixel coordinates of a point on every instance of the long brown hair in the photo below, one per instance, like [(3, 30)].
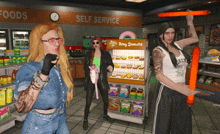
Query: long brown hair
[(36, 53), (93, 49)]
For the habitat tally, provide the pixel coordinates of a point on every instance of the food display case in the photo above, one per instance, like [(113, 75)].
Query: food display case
[(129, 81), (4, 42), (20, 39)]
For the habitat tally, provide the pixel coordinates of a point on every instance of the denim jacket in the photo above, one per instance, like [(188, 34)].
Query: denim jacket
[(53, 95)]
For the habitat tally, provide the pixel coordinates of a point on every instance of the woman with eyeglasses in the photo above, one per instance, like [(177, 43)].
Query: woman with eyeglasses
[(44, 84), (102, 59)]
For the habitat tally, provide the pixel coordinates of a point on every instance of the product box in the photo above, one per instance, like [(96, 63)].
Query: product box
[(125, 106), (124, 91), (114, 104), (4, 113), (137, 108), (16, 51), (114, 89)]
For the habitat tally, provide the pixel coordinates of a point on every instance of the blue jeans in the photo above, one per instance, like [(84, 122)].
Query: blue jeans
[(37, 123)]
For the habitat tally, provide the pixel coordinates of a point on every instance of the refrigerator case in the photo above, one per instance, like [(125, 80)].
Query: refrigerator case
[(131, 61), (4, 41), (20, 38)]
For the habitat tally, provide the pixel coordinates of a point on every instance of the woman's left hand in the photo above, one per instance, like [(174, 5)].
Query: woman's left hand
[(110, 68), (189, 17)]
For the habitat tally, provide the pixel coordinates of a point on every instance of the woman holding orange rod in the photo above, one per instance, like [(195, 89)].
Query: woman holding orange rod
[(172, 113)]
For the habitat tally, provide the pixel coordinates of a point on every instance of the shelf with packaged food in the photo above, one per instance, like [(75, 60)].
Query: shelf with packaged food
[(7, 105), (2, 86), (7, 123), (209, 87), (12, 65), (212, 74), (129, 99)]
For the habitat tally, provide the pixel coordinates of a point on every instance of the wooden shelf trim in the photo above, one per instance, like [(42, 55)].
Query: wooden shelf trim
[(208, 87), (127, 81)]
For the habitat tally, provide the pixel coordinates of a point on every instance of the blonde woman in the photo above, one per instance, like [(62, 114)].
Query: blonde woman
[(44, 84)]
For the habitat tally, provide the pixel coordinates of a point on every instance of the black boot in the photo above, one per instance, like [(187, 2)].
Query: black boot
[(85, 124), (108, 118)]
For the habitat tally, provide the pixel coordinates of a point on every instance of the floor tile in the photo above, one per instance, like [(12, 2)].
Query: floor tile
[(71, 125), (79, 130), (102, 124), (81, 102), (96, 131), (75, 119), (97, 111), (131, 133), (19, 124), (148, 127), (120, 123), (70, 111), (18, 131), (79, 113), (110, 131), (11, 130), (100, 107), (146, 132), (117, 127), (136, 126), (136, 131), (95, 116)]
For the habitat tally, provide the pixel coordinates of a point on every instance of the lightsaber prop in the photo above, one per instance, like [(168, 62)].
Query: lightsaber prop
[(183, 13), (193, 74)]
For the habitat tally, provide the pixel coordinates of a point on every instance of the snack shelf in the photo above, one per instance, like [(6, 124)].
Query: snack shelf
[(126, 80), (129, 99), (12, 65), (209, 74), (209, 87), (213, 62), (7, 123), (7, 105), (126, 116), (7, 85)]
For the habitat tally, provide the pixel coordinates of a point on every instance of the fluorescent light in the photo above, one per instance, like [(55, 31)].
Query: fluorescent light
[(209, 2), (137, 1)]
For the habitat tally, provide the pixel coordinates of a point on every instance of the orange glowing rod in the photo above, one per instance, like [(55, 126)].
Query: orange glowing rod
[(183, 13), (193, 74)]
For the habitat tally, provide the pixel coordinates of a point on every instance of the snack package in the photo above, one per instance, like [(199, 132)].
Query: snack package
[(137, 108), (133, 93), (125, 106), (114, 89), (216, 82), (201, 79), (114, 104), (125, 89), (209, 81), (140, 93)]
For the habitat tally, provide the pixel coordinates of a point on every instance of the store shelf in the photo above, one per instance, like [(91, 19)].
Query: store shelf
[(7, 85), (209, 87), (209, 74), (127, 81), (7, 105), (19, 116), (7, 123), (12, 65), (213, 62), (126, 116), (129, 99), (21, 39)]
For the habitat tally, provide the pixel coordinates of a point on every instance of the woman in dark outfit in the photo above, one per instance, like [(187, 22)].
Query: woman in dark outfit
[(103, 60), (172, 113)]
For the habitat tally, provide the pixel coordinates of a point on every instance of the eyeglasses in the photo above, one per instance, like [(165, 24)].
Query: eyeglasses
[(52, 41), (95, 42)]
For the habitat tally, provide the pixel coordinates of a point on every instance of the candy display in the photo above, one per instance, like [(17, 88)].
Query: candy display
[(114, 104), (124, 91), (114, 89), (125, 106), (137, 108), (201, 79), (209, 81)]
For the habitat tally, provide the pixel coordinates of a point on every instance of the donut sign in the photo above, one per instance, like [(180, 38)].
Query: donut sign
[(127, 34)]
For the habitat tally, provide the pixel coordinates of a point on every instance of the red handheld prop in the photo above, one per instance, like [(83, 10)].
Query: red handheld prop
[(183, 13), (193, 74)]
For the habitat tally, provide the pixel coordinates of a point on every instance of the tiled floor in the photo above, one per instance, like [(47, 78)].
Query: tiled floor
[(205, 117)]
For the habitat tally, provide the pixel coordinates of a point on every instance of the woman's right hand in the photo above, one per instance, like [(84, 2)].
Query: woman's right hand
[(49, 61), (193, 92)]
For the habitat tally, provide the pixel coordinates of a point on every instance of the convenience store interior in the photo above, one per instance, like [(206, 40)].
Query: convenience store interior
[(205, 111)]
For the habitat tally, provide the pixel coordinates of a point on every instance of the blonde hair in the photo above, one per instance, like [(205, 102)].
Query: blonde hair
[(36, 53)]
